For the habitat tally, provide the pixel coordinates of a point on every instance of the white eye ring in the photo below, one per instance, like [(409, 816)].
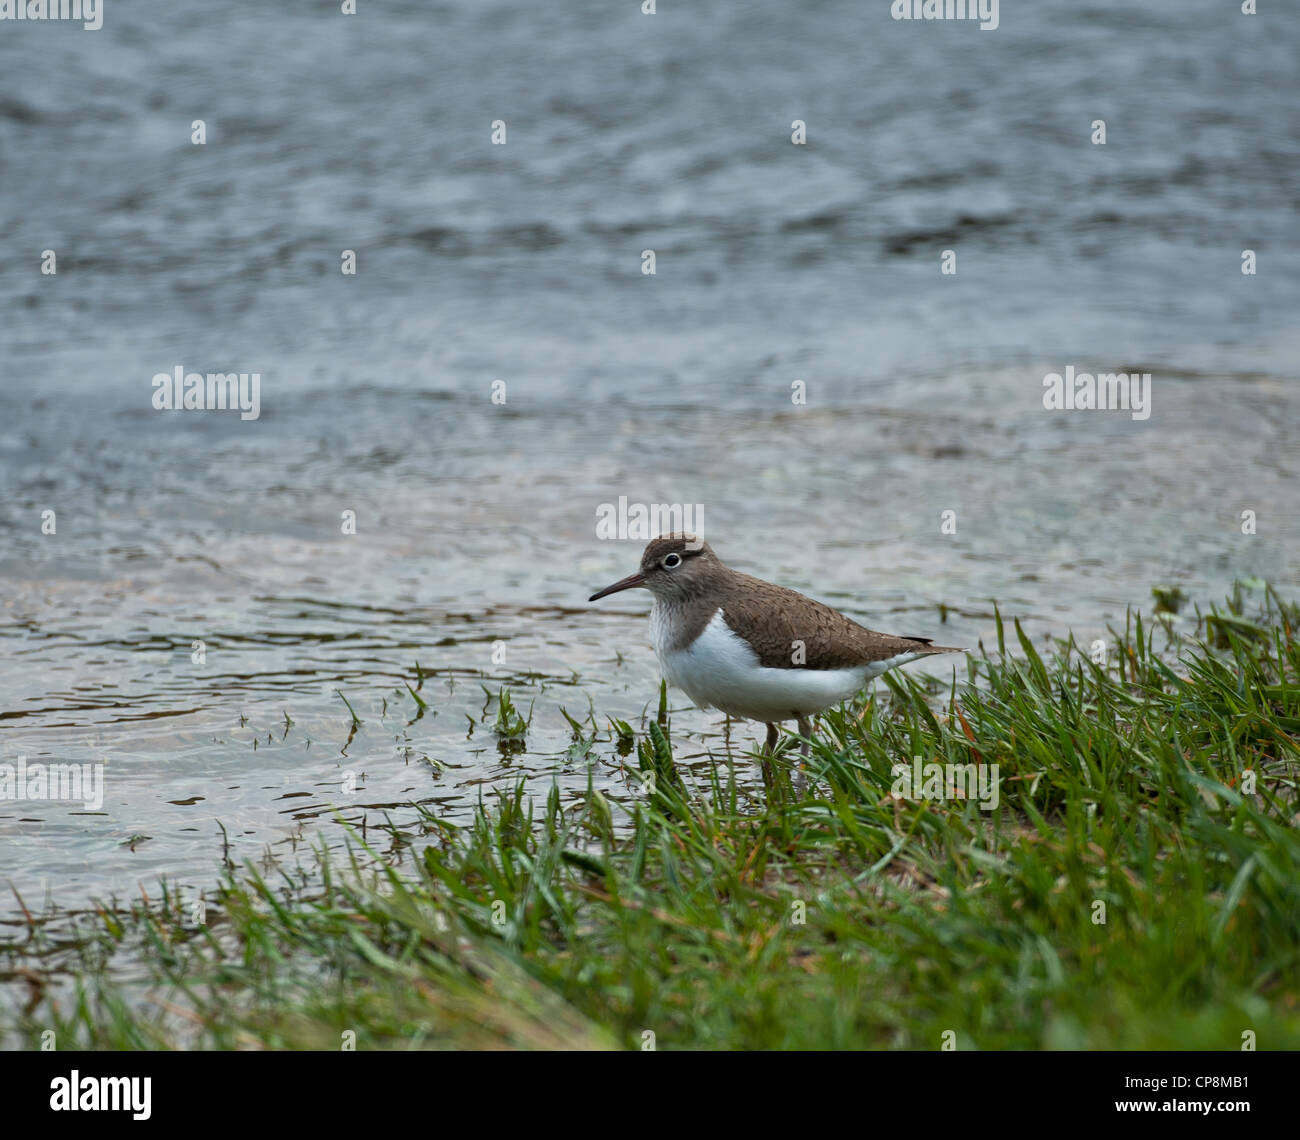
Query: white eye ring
[(672, 561)]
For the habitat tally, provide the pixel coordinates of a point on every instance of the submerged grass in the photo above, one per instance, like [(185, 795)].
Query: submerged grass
[(1137, 885)]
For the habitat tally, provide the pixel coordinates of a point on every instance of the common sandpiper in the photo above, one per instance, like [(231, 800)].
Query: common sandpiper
[(753, 649)]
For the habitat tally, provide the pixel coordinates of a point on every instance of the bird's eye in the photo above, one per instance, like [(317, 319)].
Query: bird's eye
[(672, 561)]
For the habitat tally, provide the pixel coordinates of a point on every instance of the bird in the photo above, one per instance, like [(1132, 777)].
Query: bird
[(753, 649)]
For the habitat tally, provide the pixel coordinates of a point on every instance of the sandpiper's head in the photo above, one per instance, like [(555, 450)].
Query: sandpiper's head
[(673, 566)]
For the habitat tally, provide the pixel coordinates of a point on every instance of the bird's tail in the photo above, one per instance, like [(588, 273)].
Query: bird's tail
[(930, 646)]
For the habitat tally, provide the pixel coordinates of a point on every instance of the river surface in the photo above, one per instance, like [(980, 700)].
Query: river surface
[(798, 367)]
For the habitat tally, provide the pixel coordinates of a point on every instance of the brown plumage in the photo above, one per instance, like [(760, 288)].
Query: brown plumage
[(771, 618)]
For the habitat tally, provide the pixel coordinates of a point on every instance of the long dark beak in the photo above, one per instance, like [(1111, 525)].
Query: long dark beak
[(637, 579)]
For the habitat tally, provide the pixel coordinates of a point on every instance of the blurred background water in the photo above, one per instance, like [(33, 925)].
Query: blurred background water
[(521, 263)]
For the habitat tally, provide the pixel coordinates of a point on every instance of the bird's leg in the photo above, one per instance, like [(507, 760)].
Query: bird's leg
[(801, 778), (768, 749)]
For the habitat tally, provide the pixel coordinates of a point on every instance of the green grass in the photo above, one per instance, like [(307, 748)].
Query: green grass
[(1137, 887)]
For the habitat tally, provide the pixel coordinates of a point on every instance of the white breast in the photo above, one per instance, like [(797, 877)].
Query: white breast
[(720, 670)]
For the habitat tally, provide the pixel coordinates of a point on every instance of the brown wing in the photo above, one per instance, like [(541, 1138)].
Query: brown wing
[(773, 619)]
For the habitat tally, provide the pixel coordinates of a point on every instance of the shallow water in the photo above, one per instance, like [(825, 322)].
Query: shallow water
[(475, 521)]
